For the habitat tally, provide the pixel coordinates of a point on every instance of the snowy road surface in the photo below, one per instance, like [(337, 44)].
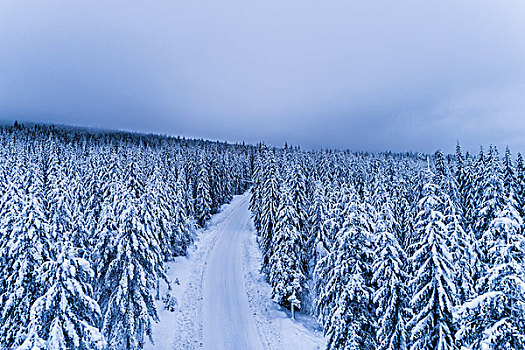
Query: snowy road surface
[(223, 300), (228, 322)]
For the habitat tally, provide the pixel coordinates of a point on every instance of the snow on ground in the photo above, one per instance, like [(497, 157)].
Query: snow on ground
[(223, 300)]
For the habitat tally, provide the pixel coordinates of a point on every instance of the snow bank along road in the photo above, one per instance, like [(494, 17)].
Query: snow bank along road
[(223, 300)]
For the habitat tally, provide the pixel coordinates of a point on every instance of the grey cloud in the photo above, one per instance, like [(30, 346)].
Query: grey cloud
[(363, 75)]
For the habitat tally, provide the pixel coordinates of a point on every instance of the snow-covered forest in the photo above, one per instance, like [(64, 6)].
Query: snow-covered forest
[(88, 221), (386, 250), (396, 251)]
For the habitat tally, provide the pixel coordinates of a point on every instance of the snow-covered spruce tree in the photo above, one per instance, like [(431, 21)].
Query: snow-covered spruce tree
[(344, 301), (520, 185), (391, 294), (93, 183), (432, 285), (10, 205), (134, 264), (79, 193), (286, 276), (66, 316), (160, 206), (66, 211), (183, 225), (25, 249), (75, 188), (378, 189), (270, 203), (479, 174), (214, 173), (337, 205), (203, 199), (404, 225), (223, 181), (442, 176), (297, 182), (337, 202), (495, 317), (466, 191), (325, 168), (256, 190), (491, 198), (45, 161), (190, 166), (462, 250), (509, 177), (318, 241), (106, 231)]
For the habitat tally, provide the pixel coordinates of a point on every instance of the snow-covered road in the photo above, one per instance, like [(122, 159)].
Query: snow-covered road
[(223, 300), (228, 322)]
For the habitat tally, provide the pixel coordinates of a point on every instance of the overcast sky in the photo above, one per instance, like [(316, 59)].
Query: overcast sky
[(365, 75)]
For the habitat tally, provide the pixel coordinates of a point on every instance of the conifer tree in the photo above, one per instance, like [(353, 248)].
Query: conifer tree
[(318, 240), (391, 295), (66, 316), (432, 285), (270, 204), (442, 176), (479, 174), (519, 186), (492, 194), (466, 190), (203, 200), (509, 179), (495, 317), (344, 302), (462, 250), (286, 275), (335, 213), (183, 225), (26, 248), (92, 204), (256, 198), (133, 260), (297, 183), (159, 195)]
